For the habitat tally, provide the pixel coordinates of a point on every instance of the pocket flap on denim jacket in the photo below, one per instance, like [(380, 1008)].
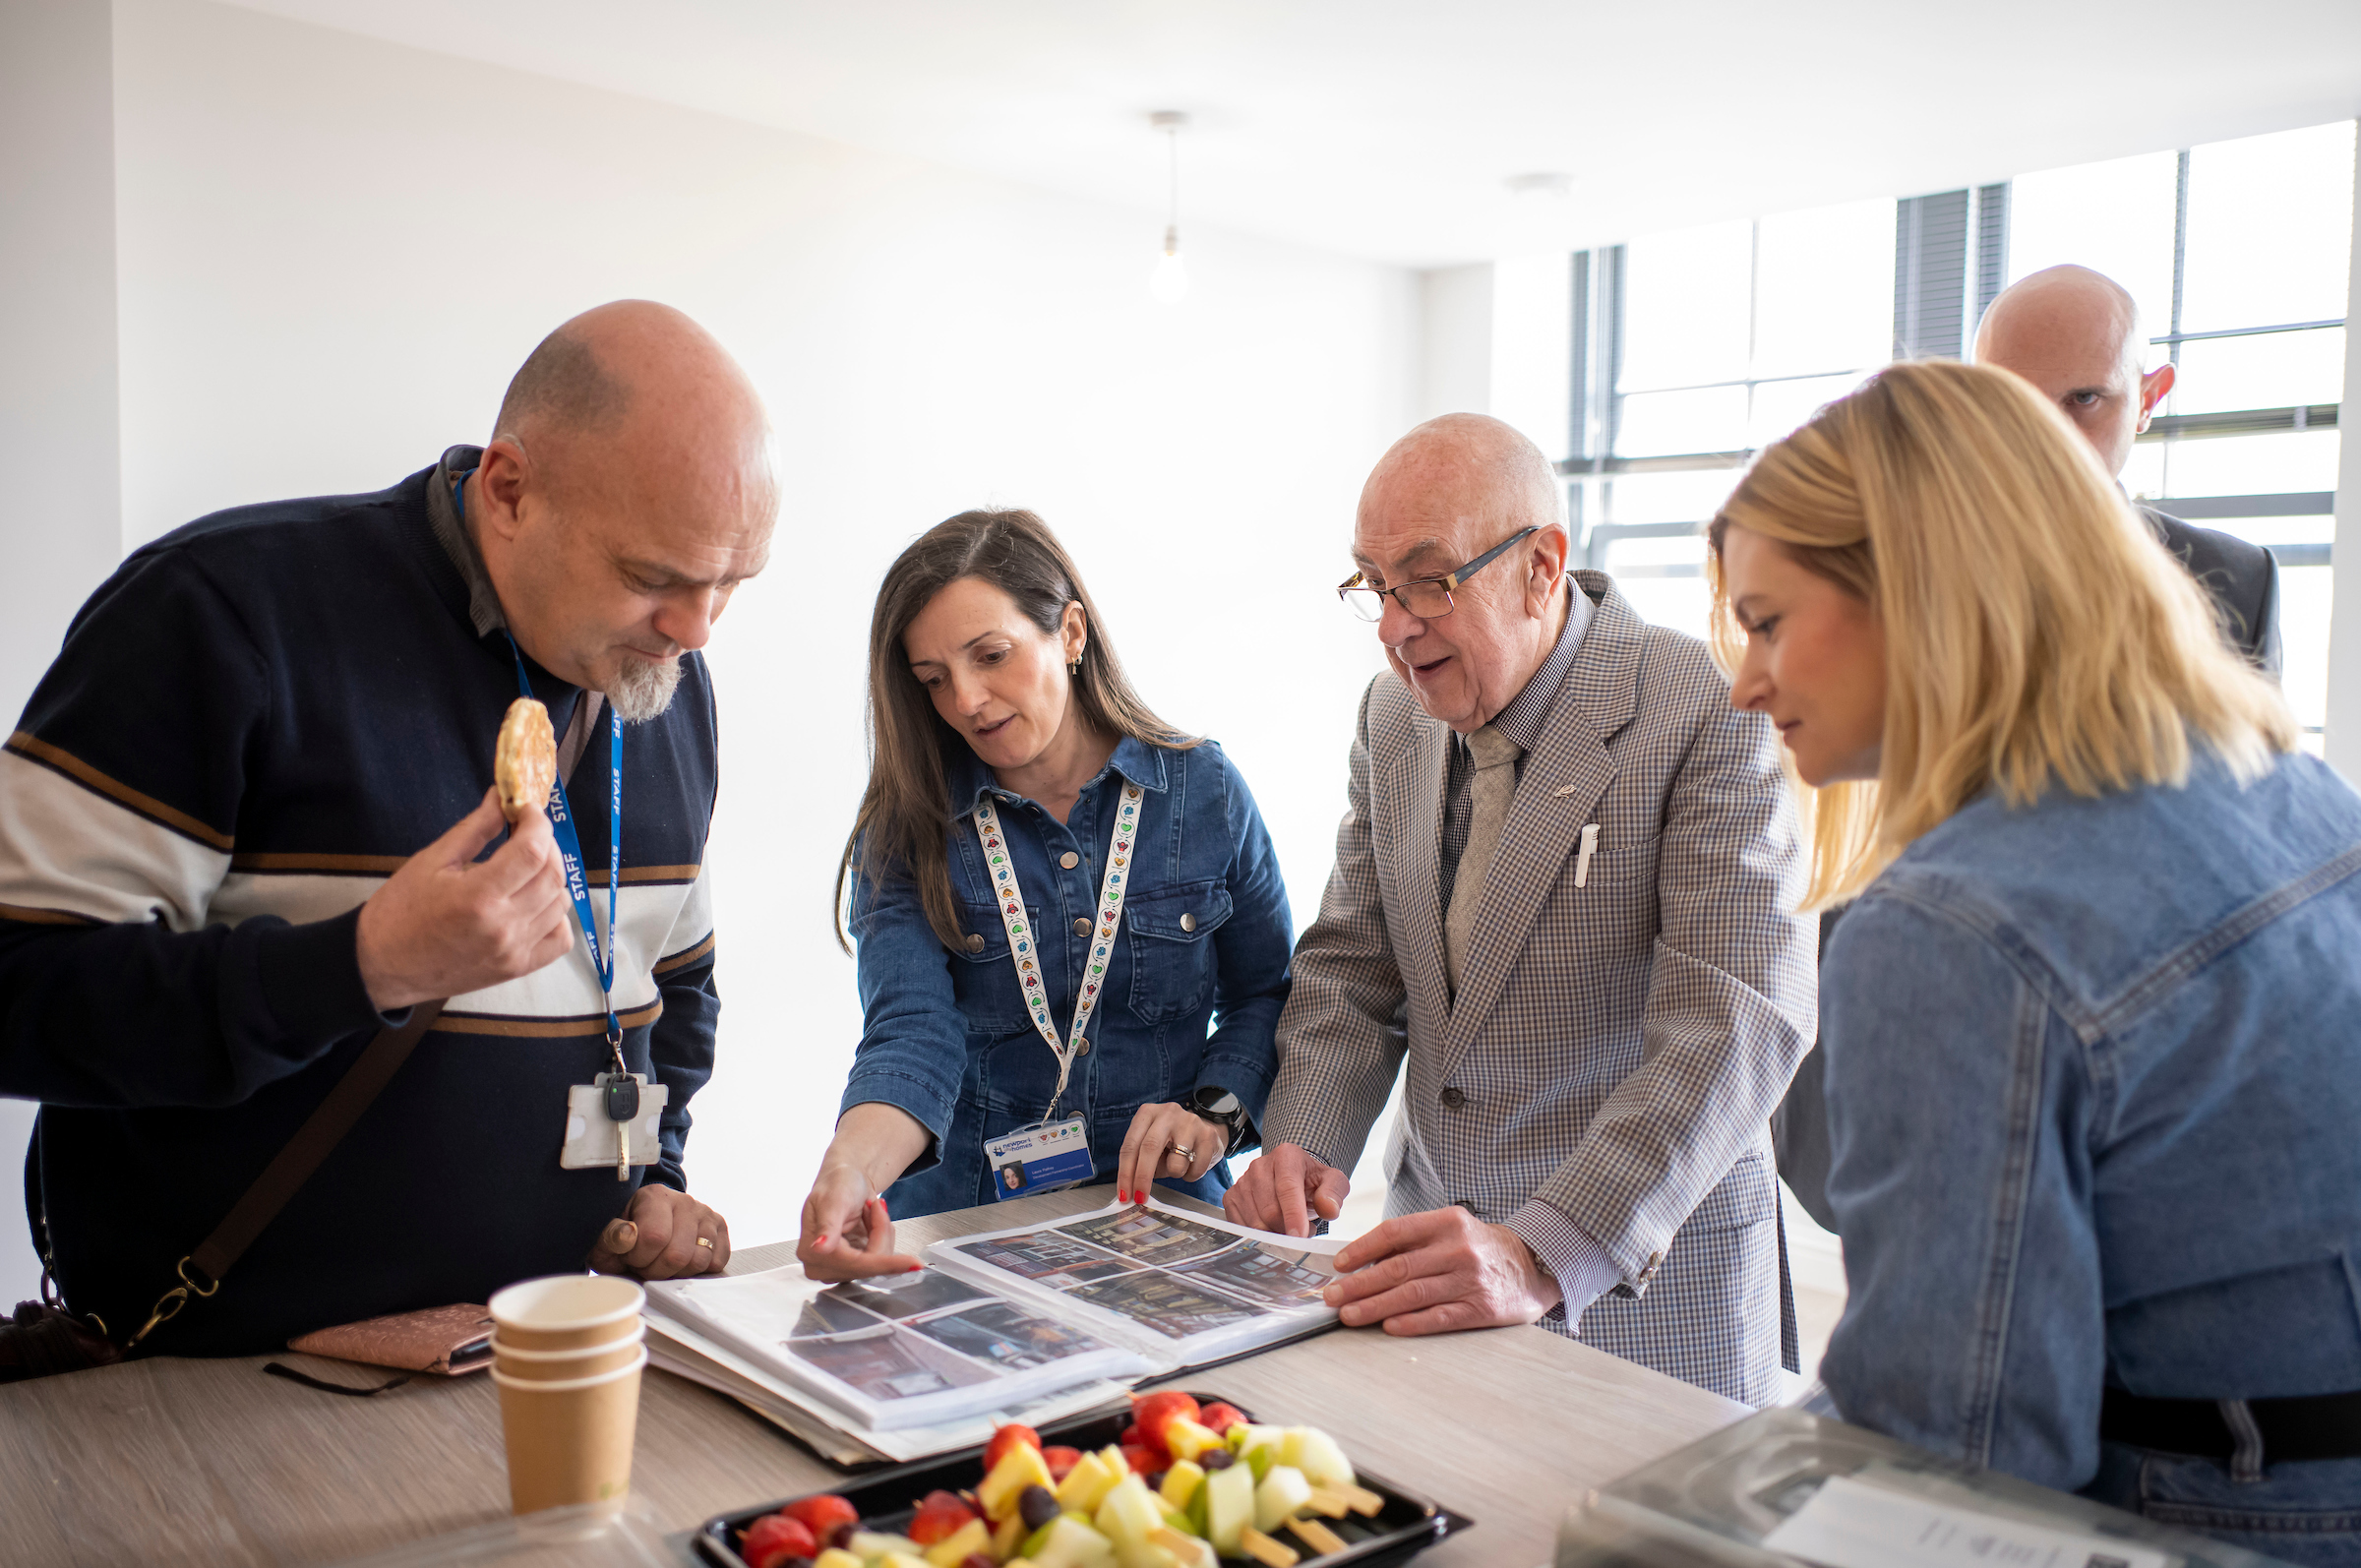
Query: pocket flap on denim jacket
[(984, 920), (1177, 914)]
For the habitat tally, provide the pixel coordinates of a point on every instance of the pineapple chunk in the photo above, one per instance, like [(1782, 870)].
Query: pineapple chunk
[(1282, 1492), (1186, 1439), (1126, 1516), (1004, 1539), (870, 1545), (901, 1559), (1087, 1484), (1019, 1467), (952, 1549), (837, 1558), (1181, 1481)]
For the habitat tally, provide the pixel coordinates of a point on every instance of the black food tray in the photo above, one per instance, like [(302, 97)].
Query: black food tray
[(1406, 1526)]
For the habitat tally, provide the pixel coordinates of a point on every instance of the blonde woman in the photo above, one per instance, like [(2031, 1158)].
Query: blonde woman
[(2094, 1021)]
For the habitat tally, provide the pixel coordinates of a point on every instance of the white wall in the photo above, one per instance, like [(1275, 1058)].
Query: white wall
[(62, 526), (1455, 358), (334, 252), (2342, 728)]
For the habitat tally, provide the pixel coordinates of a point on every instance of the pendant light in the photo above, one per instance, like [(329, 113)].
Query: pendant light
[(1170, 281)]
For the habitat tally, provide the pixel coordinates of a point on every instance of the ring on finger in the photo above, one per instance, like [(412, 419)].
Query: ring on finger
[(706, 1243), (1187, 1154)]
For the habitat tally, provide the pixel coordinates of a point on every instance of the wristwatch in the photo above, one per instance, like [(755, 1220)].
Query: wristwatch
[(1216, 1103)]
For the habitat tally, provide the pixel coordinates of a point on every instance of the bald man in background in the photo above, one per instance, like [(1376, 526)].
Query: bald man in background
[(247, 829), (2075, 334)]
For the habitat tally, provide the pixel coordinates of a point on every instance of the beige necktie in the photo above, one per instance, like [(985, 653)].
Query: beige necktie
[(1494, 786)]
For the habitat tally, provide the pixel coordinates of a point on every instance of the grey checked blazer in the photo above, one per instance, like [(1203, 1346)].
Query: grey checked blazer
[(1617, 1048)]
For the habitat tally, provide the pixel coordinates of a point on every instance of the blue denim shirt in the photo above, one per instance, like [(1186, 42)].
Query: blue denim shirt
[(2095, 1091), (1205, 937)]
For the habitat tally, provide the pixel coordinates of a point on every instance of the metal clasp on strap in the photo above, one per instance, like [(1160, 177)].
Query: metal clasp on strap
[(168, 1304)]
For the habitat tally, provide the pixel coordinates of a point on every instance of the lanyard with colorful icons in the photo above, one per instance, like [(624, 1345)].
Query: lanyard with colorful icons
[(1024, 951)]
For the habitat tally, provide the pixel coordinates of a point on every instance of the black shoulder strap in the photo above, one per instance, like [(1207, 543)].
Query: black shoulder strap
[(293, 1166)]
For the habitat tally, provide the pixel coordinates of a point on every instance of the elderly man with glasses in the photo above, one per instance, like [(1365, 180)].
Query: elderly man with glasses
[(1564, 895)]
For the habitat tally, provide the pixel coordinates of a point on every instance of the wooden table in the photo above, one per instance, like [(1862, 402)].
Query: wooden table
[(209, 1461)]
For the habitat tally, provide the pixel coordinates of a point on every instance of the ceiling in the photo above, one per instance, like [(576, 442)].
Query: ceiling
[(1387, 129)]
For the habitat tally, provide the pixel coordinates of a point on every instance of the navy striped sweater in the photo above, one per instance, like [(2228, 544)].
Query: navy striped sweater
[(250, 726)]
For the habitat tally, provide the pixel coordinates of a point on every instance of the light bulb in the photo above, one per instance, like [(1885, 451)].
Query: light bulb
[(1170, 281)]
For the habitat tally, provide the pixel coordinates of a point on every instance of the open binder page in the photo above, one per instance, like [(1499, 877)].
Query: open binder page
[(1182, 1287), (680, 1350), (909, 1350)]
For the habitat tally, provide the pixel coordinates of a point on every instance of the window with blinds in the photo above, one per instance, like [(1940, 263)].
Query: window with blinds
[(1689, 350)]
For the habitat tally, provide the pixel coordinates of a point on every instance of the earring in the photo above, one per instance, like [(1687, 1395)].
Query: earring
[(1075, 669)]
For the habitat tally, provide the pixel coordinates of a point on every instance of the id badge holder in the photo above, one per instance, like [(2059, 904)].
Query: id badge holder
[(591, 1135), (1041, 1157)]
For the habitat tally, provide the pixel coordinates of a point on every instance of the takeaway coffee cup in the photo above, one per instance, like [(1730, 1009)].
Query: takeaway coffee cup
[(567, 1312), (570, 1439), (557, 1366)]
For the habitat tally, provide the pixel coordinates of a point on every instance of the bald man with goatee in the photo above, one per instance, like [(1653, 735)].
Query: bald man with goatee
[(1562, 915), (257, 893)]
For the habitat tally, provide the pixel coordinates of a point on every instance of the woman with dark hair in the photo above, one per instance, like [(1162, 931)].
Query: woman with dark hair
[(1052, 893)]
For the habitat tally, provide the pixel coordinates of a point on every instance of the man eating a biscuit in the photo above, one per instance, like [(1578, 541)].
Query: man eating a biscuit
[(272, 941)]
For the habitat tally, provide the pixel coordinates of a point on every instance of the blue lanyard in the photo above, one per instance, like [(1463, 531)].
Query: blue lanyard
[(570, 842)]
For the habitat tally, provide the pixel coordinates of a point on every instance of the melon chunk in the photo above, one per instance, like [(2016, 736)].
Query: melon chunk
[(1282, 1492), (1128, 1515), (1319, 1457), (1068, 1542), (1229, 1507)]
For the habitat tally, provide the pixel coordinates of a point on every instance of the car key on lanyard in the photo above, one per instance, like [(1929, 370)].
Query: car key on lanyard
[(624, 1100)]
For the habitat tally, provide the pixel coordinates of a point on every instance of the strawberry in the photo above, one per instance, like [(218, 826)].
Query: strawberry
[(773, 1538), (940, 1516), (822, 1514)]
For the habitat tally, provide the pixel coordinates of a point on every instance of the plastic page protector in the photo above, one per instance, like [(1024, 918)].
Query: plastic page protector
[(1849, 1524), (1039, 1158)]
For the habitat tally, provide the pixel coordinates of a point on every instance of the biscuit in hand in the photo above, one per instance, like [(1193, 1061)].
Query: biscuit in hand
[(525, 760)]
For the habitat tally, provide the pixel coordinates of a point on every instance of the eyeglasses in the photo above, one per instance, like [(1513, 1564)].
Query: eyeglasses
[(1429, 598)]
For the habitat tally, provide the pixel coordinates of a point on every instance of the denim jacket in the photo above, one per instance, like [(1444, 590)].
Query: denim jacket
[(1205, 937), (2094, 1090)]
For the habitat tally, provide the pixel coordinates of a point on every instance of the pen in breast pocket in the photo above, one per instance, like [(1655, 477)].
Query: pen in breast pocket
[(1581, 862)]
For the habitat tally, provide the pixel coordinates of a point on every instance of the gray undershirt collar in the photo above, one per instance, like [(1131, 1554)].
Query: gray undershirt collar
[(483, 604)]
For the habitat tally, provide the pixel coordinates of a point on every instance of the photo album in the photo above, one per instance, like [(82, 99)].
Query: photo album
[(1057, 1313)]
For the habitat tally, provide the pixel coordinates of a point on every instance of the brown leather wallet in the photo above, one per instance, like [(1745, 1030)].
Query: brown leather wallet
[(446, 1340)]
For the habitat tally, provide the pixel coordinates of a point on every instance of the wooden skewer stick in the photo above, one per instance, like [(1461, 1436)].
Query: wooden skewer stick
[(1364, 1501), (1263, 1549), (1332, 1505), (1318, 1537)]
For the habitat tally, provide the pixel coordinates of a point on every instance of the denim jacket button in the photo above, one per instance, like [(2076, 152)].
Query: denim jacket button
[(1081, 925), (1083, 1050), (1188, 922), (1454, 1098), (1069, 860), (975, 943)]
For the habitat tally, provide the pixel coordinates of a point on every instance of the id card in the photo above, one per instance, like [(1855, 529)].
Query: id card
[(1039, 1159), (590, 1137)]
